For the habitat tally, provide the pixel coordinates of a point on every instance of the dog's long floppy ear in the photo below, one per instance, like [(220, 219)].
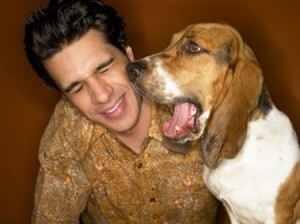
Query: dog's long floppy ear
[(226, 126)]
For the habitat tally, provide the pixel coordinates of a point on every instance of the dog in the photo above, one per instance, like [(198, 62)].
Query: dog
[(250, 150)]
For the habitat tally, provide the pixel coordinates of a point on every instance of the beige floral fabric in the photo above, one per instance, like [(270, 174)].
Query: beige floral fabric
[(86, 172)]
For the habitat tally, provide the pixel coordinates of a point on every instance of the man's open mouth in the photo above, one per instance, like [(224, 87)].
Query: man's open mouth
[(183, 122)]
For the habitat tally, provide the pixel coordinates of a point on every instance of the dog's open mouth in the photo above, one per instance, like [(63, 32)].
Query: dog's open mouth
[(183, 122)]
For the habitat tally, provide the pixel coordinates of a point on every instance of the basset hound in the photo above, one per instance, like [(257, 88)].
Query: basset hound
[(250, 150)]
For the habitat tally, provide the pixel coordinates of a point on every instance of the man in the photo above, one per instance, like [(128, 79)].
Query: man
[(102, 157)]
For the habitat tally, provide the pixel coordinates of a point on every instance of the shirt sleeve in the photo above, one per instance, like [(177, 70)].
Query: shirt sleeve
[(62, 188)]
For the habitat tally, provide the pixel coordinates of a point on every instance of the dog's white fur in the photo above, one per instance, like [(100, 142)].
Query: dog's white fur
[(169, 85)]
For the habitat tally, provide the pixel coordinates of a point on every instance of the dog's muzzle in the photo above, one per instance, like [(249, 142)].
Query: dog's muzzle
[(135, 70)]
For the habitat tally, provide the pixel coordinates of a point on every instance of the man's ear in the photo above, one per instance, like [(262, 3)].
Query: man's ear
[(129, 53)]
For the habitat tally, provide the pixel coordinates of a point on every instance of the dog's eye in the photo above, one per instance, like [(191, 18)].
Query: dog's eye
[(192, 47)]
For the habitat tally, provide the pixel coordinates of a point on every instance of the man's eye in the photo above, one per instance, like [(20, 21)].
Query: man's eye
[(77, 90), (104, 70)]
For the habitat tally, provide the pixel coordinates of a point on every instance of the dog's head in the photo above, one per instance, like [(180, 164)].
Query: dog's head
[(214, 81)]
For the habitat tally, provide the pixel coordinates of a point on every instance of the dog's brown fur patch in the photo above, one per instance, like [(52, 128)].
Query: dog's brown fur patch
[(289, 199)]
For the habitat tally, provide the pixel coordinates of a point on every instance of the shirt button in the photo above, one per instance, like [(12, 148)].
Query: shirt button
[(152, 199), (140, 165)]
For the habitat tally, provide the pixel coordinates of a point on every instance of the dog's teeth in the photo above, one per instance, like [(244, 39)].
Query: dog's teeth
[(177, 128), (193, 112)]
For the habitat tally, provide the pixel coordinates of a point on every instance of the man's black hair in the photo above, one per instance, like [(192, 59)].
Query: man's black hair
[(49, 30)]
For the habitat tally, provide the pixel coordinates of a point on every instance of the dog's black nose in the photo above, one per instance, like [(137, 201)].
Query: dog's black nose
[(135, 70)]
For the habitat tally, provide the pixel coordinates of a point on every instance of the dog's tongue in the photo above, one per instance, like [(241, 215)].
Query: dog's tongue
[(182, 120)]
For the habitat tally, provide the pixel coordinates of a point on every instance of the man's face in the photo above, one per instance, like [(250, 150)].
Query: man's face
[(91, 74)]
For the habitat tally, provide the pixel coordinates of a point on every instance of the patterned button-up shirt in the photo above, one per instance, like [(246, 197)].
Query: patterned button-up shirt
[(86, 173)]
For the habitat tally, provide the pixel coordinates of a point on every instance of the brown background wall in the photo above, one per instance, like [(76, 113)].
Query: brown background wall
[(271, 28)]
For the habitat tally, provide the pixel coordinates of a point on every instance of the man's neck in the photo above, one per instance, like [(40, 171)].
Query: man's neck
[(135, 137)]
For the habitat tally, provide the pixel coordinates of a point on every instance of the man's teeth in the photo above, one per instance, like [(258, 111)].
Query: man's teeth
[(115, 107)]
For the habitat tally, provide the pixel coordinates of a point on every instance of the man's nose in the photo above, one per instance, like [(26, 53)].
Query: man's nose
[(99, 89)]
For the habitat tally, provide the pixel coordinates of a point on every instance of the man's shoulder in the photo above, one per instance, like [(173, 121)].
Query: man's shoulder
[(68, 131), (65, 109), (67, 116)]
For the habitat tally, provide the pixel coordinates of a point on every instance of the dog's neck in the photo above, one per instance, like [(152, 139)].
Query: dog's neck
[(264, 104)]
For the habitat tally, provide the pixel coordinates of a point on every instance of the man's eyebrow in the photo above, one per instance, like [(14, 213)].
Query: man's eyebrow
[(99, 67)]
